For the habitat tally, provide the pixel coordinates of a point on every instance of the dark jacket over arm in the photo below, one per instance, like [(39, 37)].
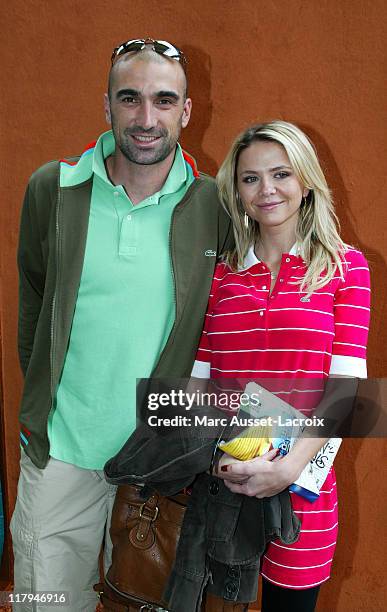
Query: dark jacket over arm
[(223, 534)]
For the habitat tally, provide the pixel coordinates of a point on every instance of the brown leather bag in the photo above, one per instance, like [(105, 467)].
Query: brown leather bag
[(145, 537)]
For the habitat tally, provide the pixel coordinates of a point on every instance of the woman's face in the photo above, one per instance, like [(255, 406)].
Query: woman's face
[(270, 191)]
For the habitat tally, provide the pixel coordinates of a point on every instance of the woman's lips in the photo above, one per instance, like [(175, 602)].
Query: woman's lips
[(269, 205)]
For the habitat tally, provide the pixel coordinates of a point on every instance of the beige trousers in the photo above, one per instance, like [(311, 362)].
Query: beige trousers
[(61, 519)]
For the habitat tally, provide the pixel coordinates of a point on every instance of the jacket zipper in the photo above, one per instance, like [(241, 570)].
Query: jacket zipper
[(145, 605), (53, 306), (52, 344), (172, 269)]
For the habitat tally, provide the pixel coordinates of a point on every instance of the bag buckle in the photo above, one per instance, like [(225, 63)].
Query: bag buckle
[(147, 516)]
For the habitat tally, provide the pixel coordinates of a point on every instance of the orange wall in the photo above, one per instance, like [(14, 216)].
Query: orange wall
[(319, 63)]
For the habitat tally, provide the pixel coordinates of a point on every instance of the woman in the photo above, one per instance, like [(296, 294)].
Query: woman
[(290, 302)]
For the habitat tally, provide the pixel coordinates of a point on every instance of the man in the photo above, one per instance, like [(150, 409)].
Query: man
[(116, 255)]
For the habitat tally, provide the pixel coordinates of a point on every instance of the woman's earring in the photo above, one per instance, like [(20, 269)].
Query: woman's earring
[(246, 220)]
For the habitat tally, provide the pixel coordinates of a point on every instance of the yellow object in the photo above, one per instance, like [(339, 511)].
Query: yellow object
[(252, 442)]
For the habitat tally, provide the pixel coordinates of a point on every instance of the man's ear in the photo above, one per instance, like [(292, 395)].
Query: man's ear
[(106, 105), (186, 112)]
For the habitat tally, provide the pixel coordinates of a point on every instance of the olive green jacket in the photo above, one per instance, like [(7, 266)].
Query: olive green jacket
[(52, 242)]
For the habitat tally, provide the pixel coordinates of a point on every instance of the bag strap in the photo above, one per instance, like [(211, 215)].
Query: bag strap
[(111, 605), (148, 513)]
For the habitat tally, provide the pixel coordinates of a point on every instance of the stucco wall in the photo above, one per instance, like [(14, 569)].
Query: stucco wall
[(318, 63)]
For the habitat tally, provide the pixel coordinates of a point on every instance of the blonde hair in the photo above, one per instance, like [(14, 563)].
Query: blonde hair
[(317, 232)]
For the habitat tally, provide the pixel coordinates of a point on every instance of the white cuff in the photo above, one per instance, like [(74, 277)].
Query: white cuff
[(348, 366), (201, 369)]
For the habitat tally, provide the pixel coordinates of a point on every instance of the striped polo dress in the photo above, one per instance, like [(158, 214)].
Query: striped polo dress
[(296, 341)]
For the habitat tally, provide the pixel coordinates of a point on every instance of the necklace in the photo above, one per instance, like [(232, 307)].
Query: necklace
[(273, 275)]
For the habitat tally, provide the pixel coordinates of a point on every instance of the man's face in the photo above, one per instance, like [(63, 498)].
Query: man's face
[(146, 108)]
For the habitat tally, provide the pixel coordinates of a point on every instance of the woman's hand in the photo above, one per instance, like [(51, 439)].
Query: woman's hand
[(260, 477)]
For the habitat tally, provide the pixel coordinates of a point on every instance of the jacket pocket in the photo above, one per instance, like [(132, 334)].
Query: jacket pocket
[(223, 511)]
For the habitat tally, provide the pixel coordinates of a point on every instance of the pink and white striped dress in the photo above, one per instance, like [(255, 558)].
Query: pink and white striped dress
[(250, 333)]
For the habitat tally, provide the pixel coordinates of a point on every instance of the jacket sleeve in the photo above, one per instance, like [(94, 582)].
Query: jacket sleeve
[(31, 278), (166, 458)]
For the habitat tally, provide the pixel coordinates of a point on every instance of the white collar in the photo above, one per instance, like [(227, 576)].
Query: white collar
[(251, 259)]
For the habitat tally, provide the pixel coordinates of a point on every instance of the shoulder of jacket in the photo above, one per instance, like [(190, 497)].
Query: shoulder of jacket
[(47, 173), (207, 180), (206, 177), (206, 186)]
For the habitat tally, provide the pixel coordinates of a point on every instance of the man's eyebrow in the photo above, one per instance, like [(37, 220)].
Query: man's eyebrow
[(167, 94), (158, 94), (127, 92)]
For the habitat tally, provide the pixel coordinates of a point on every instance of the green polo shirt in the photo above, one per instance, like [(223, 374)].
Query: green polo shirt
[(123, 316)]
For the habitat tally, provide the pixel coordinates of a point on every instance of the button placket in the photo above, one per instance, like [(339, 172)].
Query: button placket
[(283, 273), (265, 287), (128, 235)]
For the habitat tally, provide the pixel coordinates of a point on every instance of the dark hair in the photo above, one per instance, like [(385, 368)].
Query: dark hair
[(156, 57)]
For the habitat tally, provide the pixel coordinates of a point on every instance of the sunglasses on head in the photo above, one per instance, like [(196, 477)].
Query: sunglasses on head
[(162, 47)]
